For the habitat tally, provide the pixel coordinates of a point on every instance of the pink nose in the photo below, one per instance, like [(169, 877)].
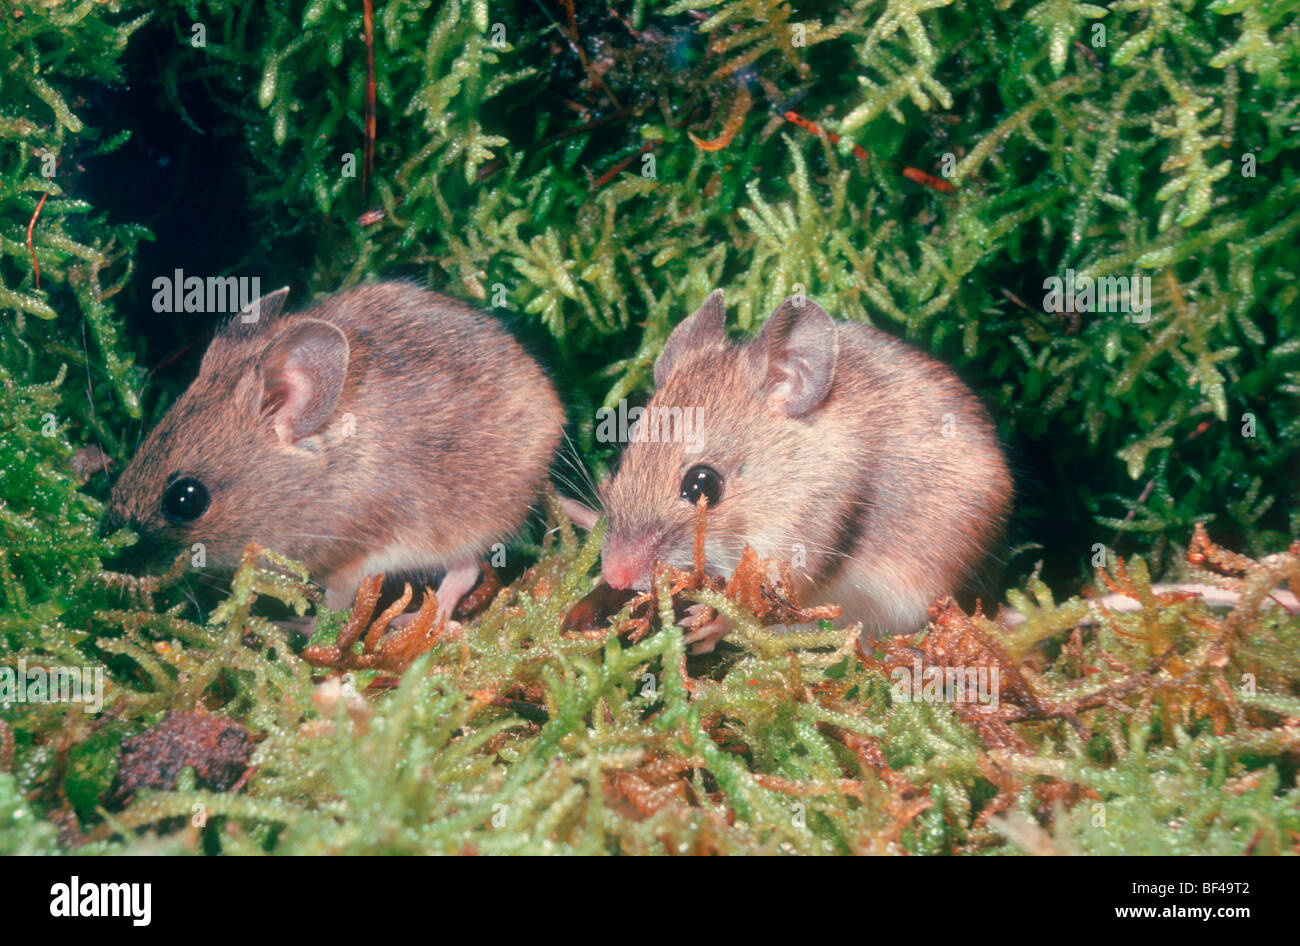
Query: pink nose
[(626, 564), (621, 575)]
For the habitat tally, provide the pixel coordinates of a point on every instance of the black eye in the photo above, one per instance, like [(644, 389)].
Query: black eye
[(702, 481), (185, 500)]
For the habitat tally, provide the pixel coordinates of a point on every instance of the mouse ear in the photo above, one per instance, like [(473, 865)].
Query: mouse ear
[(796, 351), (244, 325), (302, 373), (262, 309), (706, 327)]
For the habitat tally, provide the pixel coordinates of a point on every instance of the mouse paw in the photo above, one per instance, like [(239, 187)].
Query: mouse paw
[(456, 584), (703, 638)]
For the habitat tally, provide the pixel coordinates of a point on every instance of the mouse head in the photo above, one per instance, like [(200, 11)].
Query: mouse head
[(736, 423), (242, 450)]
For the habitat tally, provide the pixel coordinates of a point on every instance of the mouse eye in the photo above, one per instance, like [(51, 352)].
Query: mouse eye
[(702, 480), (185, 500)]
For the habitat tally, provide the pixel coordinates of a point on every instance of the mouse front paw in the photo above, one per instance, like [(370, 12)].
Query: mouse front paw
[(702, 632)]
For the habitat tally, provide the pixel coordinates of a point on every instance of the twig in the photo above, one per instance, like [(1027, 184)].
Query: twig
[(368, 18), (622, 165), (31, 249)]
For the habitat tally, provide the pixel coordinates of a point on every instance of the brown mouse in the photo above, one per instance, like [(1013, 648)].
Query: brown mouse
[(386, 429), (863, 462)]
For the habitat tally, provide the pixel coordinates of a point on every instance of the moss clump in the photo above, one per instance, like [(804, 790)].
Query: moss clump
[(1160, 730)]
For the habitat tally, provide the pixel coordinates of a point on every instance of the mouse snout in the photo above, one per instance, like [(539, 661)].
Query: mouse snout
[(625, 562), (110, 523)]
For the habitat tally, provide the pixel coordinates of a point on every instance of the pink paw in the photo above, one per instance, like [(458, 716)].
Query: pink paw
[(702, 638)]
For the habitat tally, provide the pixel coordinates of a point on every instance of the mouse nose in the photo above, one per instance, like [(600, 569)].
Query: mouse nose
[(110, 523), (626, 563), (620, 575)]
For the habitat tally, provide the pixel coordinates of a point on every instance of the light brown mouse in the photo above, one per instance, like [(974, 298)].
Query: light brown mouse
[(831, 445), (386, 429)]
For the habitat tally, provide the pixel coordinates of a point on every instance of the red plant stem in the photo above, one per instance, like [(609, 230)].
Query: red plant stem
[(31, 249), (368, 16), (613, 172), (929, 180), (859, 152), (806, 124)]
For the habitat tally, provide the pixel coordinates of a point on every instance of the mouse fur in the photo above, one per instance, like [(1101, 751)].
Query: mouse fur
[(385, 429), (862, 461)]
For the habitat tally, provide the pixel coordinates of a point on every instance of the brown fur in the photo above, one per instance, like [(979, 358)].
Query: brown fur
[(453, 427), (888, 512)]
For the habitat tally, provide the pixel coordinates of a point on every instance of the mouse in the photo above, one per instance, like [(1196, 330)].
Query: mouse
[(866, 464), (386, 429)]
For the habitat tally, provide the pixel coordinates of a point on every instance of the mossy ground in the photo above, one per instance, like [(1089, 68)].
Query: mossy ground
[(603, 171)]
